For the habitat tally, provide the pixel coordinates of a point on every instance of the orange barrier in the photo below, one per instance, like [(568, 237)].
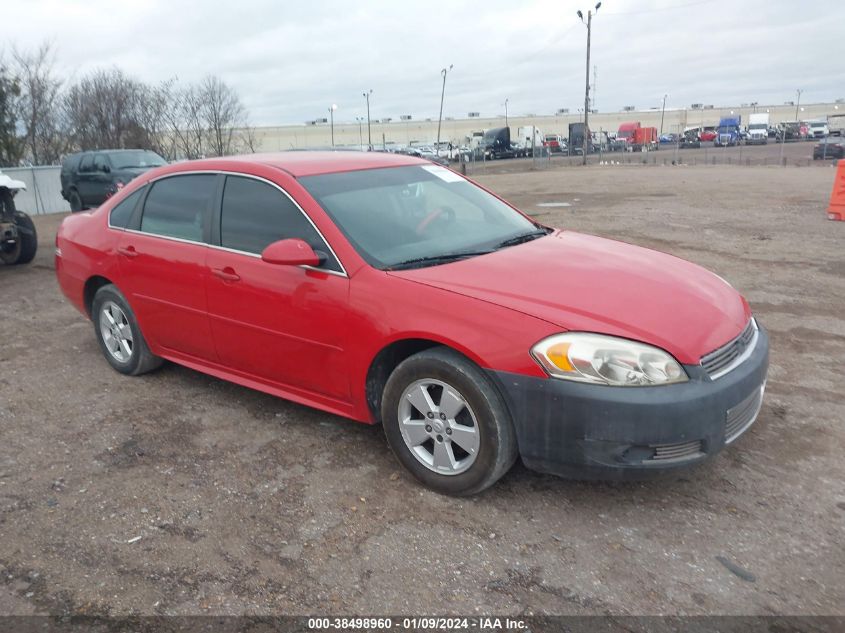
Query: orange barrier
[(836, 210)]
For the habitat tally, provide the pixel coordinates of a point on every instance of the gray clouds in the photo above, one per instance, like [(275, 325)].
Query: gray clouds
[(289, 62)]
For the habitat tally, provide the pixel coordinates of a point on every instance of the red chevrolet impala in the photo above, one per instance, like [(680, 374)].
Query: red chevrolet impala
[(390, 290)]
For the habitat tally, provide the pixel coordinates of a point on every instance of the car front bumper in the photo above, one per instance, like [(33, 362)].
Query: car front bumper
[(589, 431)]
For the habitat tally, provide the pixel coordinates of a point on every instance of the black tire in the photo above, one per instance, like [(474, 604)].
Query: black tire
[(28, 237), (75, 201), (141, 360), (497, 449)]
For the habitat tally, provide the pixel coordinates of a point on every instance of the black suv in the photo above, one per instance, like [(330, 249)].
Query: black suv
[(88, 178)]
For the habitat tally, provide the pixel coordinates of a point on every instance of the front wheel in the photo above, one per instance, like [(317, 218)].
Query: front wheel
[(118, 334), (447, 423), (22, 250)]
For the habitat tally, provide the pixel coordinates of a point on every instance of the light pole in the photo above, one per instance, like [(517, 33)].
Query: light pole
[(798, 102), (442, 94), (589, 24), (331, 114), (369, 129), (506, 113), (662, 112)]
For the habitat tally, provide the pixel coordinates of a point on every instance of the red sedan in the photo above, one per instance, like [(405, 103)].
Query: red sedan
[(389, 290)]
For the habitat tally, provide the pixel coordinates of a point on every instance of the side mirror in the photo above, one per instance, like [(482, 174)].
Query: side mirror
[(292, 252)]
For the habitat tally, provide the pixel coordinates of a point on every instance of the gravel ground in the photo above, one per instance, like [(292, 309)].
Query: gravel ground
[(177, 493)]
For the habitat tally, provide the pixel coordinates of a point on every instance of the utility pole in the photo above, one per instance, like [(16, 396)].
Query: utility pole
[(589, 24), (331, 114), (662, 112), (443, 72), (798, 102), (506, 113), (369, 130), (360, 120)]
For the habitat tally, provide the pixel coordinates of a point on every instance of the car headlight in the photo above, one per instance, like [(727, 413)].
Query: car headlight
[(606, 360)]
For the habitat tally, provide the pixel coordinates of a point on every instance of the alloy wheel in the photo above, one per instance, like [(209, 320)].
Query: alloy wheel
[(116, 332), (438, 426)]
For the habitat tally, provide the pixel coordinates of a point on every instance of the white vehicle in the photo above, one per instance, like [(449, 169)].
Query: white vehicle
[(758, 129), (818, 128), (18, 240), (529, 138)]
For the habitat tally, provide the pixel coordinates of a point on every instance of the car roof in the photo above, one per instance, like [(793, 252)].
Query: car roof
[(305, 163)]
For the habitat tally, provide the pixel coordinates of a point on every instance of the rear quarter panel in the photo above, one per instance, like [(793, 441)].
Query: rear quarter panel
[(85, 247)]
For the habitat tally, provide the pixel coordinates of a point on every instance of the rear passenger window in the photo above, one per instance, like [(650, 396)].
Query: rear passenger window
[(87, 163), (100, 162), (175, 206), (122, 212), (255, 214)]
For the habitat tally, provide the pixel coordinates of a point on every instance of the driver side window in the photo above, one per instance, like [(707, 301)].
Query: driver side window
[(254, 214)]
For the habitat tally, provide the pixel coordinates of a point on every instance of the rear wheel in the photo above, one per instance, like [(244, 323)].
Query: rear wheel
[(118, 334), (447, 423), (75, 201)]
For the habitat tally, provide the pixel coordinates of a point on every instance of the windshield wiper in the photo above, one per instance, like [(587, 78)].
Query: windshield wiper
[(525, 237), (434, 260)]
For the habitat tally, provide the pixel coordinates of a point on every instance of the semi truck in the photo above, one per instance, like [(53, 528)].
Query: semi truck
[(528, 139), (638, 138), (626, 133), (645, 139), (497, 143), (727, 134), (818, 128), (576, 138), (758, 129)]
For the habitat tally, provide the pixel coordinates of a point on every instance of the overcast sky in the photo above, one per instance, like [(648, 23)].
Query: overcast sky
[(290, 61)]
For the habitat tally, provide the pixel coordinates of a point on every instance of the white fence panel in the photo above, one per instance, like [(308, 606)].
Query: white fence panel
[(43, 190)]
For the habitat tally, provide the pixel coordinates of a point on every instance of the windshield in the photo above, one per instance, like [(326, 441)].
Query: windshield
[(141, 159), (817, 124), (727, 129), (758, 126), (625, 133), (412, 216)]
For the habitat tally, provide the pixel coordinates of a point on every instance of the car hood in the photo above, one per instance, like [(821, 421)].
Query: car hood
[(585, 283)]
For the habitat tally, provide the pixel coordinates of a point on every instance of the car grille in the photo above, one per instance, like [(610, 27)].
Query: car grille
[(719, 362), (667, 452), (742, 416)]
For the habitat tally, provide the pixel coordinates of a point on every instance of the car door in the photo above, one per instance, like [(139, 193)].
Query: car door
[(100, 179), (85, 179), (280, 324), (162, 262)]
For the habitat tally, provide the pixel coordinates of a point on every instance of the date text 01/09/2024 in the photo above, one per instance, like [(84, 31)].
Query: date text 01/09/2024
[(484, 623)]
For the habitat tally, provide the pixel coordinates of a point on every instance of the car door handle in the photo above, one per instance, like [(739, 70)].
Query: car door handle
[(127, 251), (226, 274)]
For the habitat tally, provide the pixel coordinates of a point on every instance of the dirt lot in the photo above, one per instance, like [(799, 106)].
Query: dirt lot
[(179, 493)]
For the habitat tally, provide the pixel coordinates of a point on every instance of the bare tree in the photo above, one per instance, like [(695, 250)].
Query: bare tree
[(39, 104), (221, 109), (101, 111), (11, 145)]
